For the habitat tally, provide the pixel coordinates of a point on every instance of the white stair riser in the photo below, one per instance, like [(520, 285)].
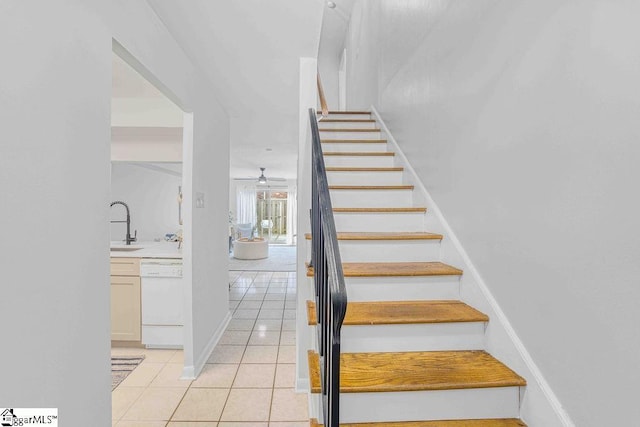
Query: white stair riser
[(354, 147), (372, 134), (363, 116), (359, 161), (408, 337), (371, 198), (402, 288), (386, 250), (389, 250), (347, 125), (379, 221), (496, 402), (364, 178), (413, 337)]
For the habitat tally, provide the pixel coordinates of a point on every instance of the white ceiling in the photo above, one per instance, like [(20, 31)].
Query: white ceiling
[(250, 50)]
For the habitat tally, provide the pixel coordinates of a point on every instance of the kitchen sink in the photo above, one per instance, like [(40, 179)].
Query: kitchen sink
[(124, 249)]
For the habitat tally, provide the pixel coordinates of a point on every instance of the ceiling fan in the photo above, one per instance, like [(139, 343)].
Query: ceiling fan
[(261, 179)]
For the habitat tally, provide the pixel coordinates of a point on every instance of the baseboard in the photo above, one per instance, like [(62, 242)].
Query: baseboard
[(302, 385), (547, 417), (192, 372), (130, 344)]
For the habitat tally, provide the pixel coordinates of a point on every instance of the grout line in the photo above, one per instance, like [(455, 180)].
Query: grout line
[(179, 403), (273, 388), (231, 386), (148, 386)]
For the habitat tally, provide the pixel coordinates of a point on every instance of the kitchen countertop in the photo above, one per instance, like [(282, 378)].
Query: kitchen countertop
[(147, 250)]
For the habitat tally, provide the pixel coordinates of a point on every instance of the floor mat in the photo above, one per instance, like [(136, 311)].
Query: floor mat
[(121, 367)]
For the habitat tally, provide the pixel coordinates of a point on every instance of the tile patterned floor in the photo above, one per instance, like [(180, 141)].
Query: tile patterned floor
[(247, 382)]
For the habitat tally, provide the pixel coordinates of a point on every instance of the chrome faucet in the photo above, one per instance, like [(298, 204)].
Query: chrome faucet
[(128, 238)]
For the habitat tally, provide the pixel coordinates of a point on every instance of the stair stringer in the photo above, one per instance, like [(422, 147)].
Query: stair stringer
[(539, 406)]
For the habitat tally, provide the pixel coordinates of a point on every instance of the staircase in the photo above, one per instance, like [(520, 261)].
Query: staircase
[(412, 353)]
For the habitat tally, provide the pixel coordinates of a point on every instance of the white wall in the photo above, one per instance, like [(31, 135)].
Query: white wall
[(55, 86), (210, 231), (54, 170), (152, 199), (145, 112), (146, 144), (328, 66), (363, 50), (308, 99), (521, 120)]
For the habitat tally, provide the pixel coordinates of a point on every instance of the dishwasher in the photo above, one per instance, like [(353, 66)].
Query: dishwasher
[(162, 302)]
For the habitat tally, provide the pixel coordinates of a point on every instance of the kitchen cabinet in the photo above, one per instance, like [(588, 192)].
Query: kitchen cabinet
[(125, 299)]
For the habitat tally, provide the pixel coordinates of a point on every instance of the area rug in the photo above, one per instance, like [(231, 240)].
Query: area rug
[(121, 367), (281, 258)]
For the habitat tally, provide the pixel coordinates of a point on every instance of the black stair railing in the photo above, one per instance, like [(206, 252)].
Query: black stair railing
[(328, 278)]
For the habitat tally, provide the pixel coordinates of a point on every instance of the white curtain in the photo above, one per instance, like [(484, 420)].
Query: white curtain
[(246, 205), (292, 210)]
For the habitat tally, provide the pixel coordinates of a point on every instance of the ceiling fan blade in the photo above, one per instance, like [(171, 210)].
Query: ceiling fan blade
[(262, 179)]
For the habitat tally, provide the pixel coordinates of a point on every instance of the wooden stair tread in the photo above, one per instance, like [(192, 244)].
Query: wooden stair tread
[(353, 141), (350, 169), (404, 312), (493, 422), (380, 210), (345, 112), (396, 269), (359, 153), (350, 130), (384, 235), (371, 187), (417, 371), (375, 269), (323, 120)]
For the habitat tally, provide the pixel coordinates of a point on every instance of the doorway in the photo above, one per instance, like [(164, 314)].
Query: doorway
[(149, 174), (271, 205), (266, 211)]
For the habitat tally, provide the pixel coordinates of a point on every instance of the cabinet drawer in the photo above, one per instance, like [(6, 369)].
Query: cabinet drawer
[(125, 266)]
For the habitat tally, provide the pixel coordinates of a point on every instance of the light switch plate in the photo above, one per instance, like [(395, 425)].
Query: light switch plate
[(199, 200)]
